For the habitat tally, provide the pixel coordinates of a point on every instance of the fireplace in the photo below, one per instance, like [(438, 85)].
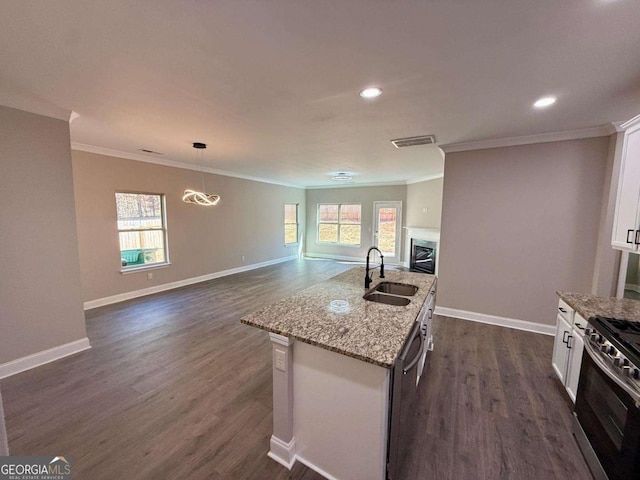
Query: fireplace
[(423, 256)]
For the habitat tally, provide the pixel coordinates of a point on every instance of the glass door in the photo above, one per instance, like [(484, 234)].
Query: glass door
[(387, 226)]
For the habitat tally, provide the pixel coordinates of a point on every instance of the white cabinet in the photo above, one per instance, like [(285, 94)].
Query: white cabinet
[(576, 347), (626, 224), (560, 351), (568, 347)]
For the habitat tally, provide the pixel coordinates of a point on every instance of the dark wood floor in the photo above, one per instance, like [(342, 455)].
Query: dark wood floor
[(176, 387)]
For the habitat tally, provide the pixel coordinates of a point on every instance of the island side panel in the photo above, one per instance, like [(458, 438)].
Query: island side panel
[(282, 442), (340, 414)]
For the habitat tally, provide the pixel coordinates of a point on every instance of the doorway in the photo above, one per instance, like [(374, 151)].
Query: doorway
[(387, 228)]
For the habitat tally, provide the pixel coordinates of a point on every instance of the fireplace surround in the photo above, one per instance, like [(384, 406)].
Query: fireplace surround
[(423, 255)]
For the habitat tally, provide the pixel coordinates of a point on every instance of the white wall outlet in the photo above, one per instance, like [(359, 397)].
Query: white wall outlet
[(150, 276), (280, 360), (425, 210), (242, 258)]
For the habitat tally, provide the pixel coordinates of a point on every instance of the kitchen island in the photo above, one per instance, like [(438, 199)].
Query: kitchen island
[(333, 354)]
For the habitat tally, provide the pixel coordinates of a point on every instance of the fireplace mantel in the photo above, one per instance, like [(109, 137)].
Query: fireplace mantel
[(422, 233)]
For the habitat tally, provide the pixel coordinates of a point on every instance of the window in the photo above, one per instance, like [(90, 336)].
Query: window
[(290, 223), (339, 224), (142, 229)]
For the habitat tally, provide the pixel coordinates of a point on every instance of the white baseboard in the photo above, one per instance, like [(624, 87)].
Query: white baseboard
[(285, 454), (335, 257), (495, 320), (282, 452), (361, 260), (633, 287), (315, 469), (100, 302), (40, 358)]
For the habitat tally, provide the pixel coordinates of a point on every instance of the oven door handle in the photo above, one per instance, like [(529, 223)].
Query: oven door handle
[(606, 369)]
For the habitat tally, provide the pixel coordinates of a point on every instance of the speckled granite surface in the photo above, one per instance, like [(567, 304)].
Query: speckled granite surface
[(590, 306), (369, 331)]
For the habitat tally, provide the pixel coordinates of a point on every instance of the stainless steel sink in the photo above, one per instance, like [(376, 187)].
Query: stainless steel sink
[(387, 299), (394, 288)]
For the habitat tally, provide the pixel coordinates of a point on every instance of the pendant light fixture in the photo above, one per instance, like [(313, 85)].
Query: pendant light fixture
[(200, 198)]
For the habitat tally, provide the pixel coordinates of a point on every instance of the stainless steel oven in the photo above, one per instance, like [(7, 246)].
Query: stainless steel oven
[(607, 409)]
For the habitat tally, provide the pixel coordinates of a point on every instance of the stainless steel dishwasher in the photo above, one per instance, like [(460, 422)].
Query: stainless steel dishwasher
[(403, 401)]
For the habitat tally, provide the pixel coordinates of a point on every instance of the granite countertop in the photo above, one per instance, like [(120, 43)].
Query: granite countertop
[(369, 331), (590, 306)]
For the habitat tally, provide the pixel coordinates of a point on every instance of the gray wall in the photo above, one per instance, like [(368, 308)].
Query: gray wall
[(4, 444), (633, 270), (363, 195), (424, 204), (248, 221), (519, 223), (40, 296), (607, 263)]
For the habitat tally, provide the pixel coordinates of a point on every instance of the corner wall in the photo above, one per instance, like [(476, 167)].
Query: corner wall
[(40, 293), (518, 224), (248, 222), (424, 204)]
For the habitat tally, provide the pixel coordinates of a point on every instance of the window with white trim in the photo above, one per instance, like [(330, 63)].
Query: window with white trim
[(142, 229), (339, 223), (290, 223)]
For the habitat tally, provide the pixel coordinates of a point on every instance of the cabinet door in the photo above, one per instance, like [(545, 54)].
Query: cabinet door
[(625, 226), (560, 350), (576, 347)]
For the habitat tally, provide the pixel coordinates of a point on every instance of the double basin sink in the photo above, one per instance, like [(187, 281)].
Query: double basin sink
[(392, 293)]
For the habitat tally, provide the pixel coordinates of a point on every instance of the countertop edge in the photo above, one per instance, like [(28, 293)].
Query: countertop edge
[(347, 353), (588, 306)]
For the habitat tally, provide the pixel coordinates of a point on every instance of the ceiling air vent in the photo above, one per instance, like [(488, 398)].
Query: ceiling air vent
[(413, 141), (144, 150)]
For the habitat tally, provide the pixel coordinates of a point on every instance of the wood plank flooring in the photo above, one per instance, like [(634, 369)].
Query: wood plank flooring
[(491, 408), (175, 387)]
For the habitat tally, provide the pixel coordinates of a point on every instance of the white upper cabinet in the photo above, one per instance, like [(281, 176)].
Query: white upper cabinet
[(626, 226)]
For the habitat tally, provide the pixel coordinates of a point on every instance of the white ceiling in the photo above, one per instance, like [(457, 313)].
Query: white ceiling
[(272, 86)]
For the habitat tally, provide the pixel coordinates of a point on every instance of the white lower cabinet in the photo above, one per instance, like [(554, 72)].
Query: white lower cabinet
[(568, 347), (560, 350), (576, 347)]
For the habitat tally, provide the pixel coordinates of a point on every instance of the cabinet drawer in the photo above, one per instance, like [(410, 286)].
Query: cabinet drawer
[(565, 311), (579, 324)]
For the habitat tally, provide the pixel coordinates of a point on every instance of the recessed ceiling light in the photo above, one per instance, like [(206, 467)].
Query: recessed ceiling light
[(371, 92), (342, 177), (544, 102)]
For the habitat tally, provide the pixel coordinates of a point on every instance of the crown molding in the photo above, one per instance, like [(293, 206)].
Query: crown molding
[(435, 176), (357, 185), (630, 122), (600, 131), (171, 163)]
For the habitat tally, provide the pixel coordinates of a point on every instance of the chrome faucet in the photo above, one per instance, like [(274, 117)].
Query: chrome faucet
[(367, 276)]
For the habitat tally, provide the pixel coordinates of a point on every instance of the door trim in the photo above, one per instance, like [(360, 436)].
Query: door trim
[(397, 258)]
